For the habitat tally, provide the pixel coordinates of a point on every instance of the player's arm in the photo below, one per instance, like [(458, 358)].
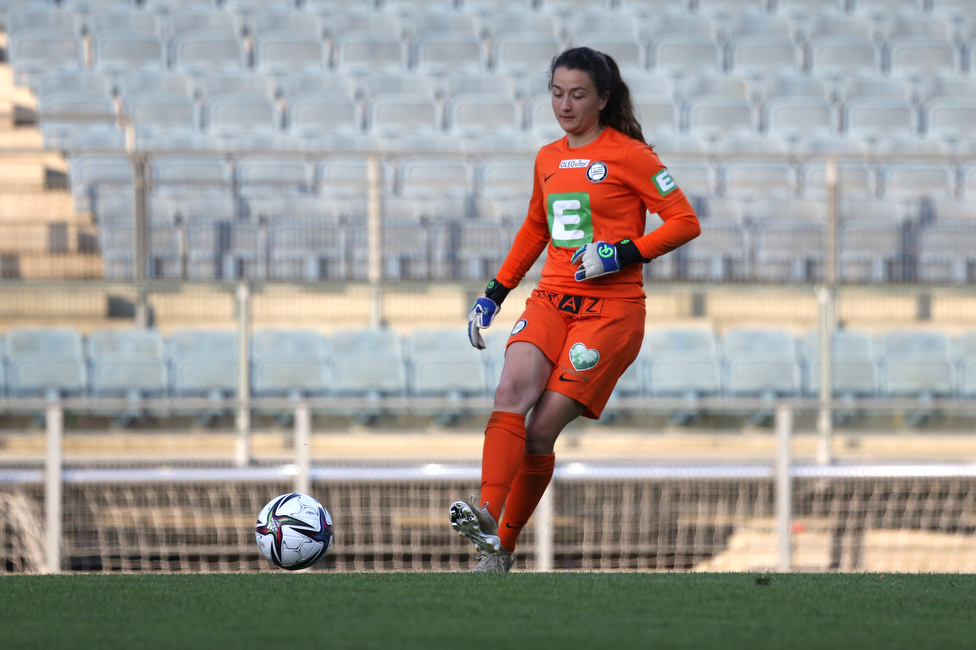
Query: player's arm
[(600, 258), (652, 182), (529, 242)]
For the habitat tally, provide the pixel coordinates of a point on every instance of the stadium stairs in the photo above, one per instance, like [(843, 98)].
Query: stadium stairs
[(44, 238)]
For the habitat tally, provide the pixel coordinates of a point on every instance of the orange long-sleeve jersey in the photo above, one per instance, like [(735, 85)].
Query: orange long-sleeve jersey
[(597, 192)]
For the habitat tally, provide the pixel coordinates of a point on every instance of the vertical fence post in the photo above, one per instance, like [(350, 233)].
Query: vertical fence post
[(54, 421), (375, 232), (142, 239), (242, 447), (827, 305), (303, 448), (784, 488), (544, 530)]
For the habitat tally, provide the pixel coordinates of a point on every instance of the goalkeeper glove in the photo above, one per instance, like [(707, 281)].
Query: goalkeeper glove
[(484, 311), (601, 258)]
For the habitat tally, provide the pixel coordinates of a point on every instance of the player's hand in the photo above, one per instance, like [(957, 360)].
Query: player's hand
[(480, 317), (595, 259)]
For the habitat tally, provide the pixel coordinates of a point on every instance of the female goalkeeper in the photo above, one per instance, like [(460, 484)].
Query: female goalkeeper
[(584, 324)]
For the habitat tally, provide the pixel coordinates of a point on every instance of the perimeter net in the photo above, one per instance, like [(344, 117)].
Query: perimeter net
[(863, 524)]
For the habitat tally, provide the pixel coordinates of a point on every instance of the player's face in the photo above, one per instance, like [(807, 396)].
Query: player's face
[(575, 101)]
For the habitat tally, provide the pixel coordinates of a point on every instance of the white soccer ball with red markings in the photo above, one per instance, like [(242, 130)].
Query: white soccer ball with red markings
[(294, 531)]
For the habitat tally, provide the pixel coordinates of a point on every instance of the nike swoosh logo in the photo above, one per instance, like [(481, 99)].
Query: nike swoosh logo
[(508, 525), (572, 381), (548, 177)]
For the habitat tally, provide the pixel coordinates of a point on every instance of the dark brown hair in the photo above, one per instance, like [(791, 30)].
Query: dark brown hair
[(605, 75)]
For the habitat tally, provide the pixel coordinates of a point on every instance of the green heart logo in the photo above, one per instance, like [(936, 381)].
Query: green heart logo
[(582, 357)]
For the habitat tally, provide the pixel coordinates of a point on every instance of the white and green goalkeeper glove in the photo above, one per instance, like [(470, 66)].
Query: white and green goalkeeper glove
[(601, 258)]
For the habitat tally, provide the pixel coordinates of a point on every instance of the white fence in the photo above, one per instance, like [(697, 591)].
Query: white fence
[(772, 515)]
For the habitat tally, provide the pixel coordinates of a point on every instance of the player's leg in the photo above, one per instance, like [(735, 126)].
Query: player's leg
[(523, 379), (549, 417)]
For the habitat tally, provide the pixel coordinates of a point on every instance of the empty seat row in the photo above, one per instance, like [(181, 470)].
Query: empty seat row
[(684, 363), (455, 188)]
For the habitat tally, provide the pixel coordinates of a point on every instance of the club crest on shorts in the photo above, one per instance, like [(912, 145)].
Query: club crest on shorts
[(519, 326), (582, 357), (596, 172)]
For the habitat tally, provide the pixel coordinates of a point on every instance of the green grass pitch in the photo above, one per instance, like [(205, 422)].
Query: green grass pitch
[(461, 610)]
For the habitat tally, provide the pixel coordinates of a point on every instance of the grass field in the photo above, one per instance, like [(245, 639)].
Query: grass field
[(520, 610)]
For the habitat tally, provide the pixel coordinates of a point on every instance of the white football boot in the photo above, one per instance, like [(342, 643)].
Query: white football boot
[(476, 525), (498, 562)]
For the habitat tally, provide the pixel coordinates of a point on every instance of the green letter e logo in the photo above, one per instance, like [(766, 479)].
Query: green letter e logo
[(665, 184)]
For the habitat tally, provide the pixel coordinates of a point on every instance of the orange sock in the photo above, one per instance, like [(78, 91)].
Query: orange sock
[(501, 458), (527, 488)]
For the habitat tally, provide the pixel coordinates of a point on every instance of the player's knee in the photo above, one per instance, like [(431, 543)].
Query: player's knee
[(539, 438), (514, 396)]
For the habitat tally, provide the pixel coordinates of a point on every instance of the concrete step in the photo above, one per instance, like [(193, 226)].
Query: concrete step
[(39, 206), (51, 266)]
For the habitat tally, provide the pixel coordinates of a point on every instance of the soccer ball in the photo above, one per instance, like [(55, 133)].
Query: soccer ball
[(293, 531)]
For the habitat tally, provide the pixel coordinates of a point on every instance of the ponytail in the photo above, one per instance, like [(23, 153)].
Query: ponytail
[(605, 75)]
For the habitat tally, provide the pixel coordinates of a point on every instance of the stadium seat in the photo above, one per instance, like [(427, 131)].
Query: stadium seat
[(119, 51), (950, 118), (722, 7), (278, 175), (482, 115), (127, 363), (873, 118), (88, 174), (657, 113), (917, 363), (922, 56), (159, 116), (444, 53), (203, 363), (395, 115), (118, 17), (283, 20), (946, 253), (715, 116), (854, 363), (758, 178), (793, 118), (721, 253), (879, 8), (760, 363), (681, 363), (520, 19), (46, 362), (872, 249), (843, 55), (856, 179), (368, 363), (287, 51), (683, 54), (226, 250), (792, 86), (362, 53), (444, 364), (966, 353), (629, 53), (199, 172), (918, 179), (764, 55), (231, 114), (790, 250), (153, 82), (519, 54), (198, 53), (694, 177), (505, 187), (482, 247), (290, 363), (307, 247)]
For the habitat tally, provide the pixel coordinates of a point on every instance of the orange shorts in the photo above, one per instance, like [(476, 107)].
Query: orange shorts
[(590, 341)]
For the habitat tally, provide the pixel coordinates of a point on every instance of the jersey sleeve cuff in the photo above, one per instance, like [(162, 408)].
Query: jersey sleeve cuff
[(628, 253)]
